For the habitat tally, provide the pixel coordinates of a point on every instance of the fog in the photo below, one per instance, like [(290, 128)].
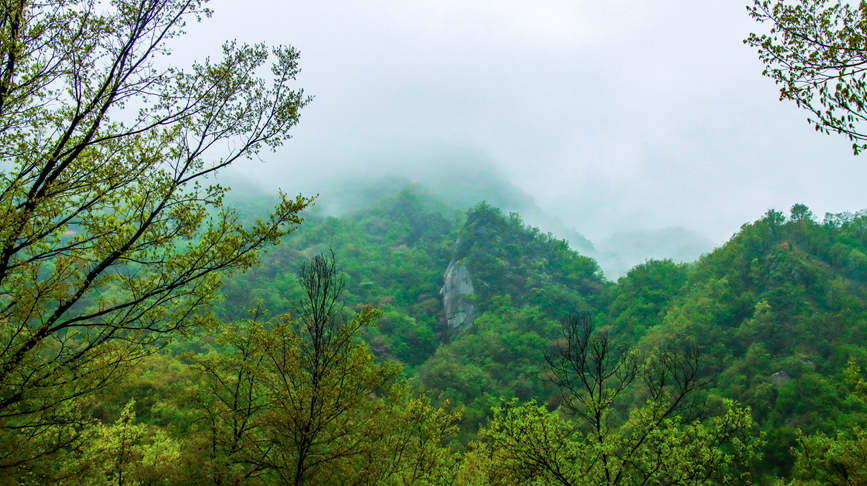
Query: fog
[(613, 117)]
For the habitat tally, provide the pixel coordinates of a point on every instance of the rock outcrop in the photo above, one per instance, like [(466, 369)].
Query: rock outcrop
[(457, 295), (780, 378)]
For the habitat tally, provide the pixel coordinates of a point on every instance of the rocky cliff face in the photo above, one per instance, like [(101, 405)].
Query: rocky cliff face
[(457, 295)]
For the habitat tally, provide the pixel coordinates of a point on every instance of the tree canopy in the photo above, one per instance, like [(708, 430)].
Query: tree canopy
[(112, 235), (124, 359), (816, 50)]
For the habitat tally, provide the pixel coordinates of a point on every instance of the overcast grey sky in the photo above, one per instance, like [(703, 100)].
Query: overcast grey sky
[(613, 115)]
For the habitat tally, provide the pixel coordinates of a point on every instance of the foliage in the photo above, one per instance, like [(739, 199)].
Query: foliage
[(528, 444), (506, 257), (321, 384), (129, 453), (641, 298), (393, 255), (815, 50), (229, 399), (776, 311), (840, 460), (585, 443), (109, 240), (302, 401), (502, 355), (820, 459)]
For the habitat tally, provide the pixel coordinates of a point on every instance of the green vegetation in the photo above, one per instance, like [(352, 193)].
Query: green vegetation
[(815, 50), (110, 242), (589, 444), (776, 314), (145, 339)]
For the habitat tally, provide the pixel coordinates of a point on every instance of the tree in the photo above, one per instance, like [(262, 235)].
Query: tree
[(839, 460), (326, 390), (592, 441), (303, 401), (816, 51), (230, 398), (336, 415), (126, 453), (112, 238), (801, 213)]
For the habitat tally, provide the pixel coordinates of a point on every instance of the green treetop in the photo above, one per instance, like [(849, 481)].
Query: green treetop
[(109, 238), (816, 51)]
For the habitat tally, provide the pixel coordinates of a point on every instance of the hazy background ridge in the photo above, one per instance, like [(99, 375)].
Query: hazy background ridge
[(614, 117)]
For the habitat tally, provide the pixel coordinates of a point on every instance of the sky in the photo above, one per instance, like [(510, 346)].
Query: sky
[(614, 116)]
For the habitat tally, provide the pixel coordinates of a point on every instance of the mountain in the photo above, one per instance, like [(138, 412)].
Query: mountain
[(472, 300), (457, 186), (777, 312)]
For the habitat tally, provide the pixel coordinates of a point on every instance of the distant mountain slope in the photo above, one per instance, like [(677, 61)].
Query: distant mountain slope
[(461, 186), (508, 258), (777, 312), (524, 281), (393, 254)]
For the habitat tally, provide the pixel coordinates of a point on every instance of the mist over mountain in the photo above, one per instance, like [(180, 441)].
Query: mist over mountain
[(472, 301), (510, 243), (619, 252), (461, 182)]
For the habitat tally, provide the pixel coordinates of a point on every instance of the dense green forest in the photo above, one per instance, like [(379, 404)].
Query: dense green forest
[(769, 320), (776, 314), (766, 322), (158, 329)]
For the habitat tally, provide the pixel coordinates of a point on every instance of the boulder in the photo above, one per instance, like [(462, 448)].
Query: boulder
[(457, 293)]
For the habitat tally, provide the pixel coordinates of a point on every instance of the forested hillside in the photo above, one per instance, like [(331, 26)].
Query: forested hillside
[(158, 329), (776, 313)]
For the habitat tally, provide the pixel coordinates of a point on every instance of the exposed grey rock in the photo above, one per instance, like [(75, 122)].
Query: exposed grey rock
[(457, 295), (780, 378)]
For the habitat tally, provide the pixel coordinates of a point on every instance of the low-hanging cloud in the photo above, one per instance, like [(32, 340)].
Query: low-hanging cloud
[(614, 115)]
